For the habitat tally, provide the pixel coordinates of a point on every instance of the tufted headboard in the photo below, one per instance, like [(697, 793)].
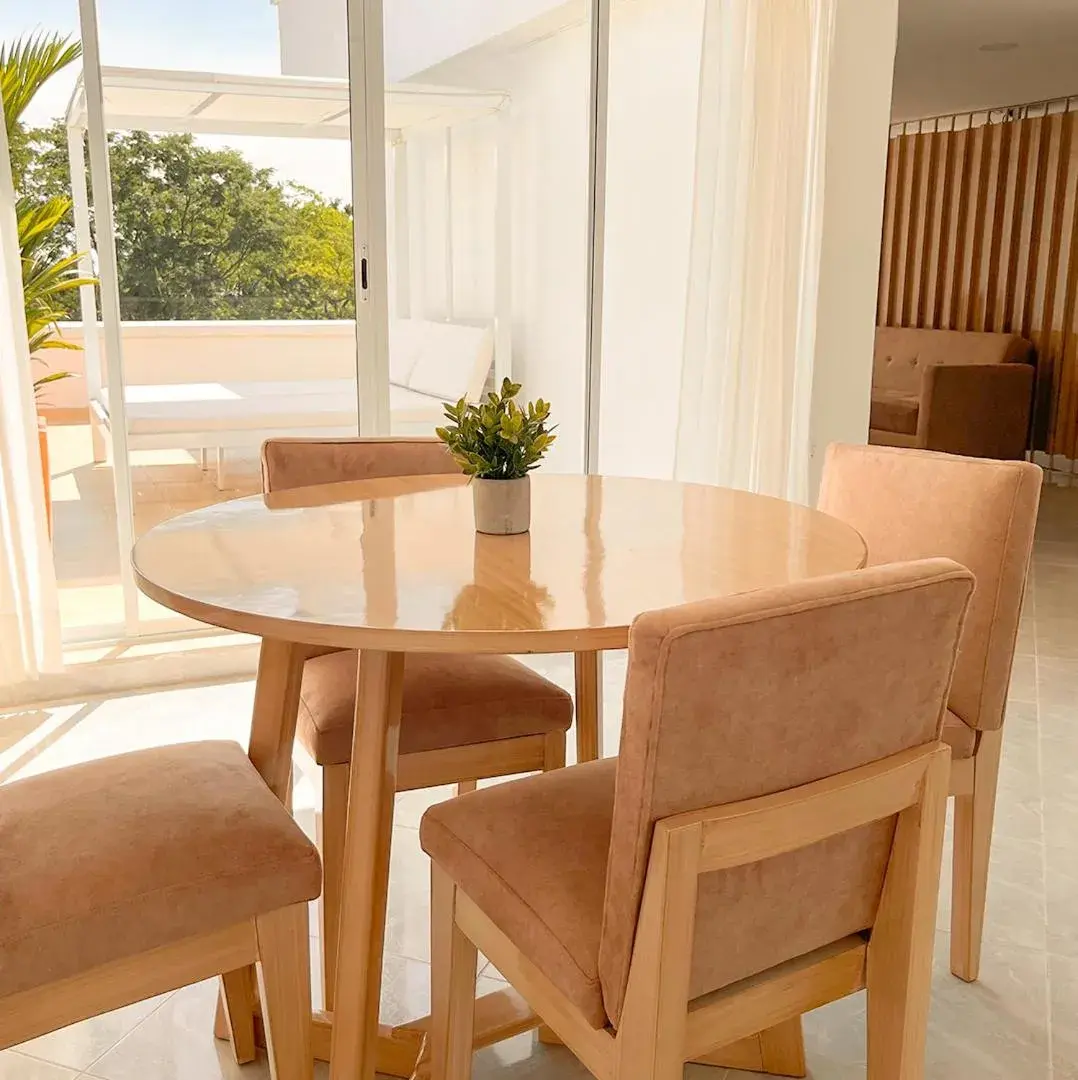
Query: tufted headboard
[(902, 354)]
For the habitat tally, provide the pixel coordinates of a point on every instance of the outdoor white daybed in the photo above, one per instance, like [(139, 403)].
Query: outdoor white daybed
[(232, 384), (225, 384)]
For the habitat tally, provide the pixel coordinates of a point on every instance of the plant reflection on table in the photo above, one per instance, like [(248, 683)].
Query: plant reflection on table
[(502, 594)]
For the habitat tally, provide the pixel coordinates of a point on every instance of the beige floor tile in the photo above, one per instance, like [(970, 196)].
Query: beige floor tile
[(17, 1066), (1024, 679), (175, 1043), (1017, 903), (1063, 989), (80, 1045), (408, 921), (996, 1028)]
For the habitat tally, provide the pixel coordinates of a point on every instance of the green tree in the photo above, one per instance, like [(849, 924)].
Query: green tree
[(49, 277), (202, 233)]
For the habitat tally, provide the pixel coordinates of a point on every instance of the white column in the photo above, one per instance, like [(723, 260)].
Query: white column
[(858, 121), (503, 250), (110, 303), (450, 303), (598, 86), (402, 238), (366, 92), (91, 343)]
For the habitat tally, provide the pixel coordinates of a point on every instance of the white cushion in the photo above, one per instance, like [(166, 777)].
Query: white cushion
[(410, 405), (181, 408), (454, 358), (406, 340)]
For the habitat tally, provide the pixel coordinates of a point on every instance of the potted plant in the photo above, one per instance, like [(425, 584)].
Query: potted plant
[(497, 443)]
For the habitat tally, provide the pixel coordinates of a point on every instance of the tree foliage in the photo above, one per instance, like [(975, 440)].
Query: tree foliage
[(201, 233)]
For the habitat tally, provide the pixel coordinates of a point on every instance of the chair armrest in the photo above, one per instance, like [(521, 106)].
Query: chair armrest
[(981, 410)]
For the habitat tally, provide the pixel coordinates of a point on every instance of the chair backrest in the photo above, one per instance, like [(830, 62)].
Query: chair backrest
[(295, 463), (915, 504), (731, 699)]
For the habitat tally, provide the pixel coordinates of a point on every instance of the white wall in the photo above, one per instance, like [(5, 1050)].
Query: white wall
[(859, 104)]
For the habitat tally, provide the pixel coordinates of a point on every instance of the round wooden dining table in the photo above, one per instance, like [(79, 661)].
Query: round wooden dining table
[(395, 566)]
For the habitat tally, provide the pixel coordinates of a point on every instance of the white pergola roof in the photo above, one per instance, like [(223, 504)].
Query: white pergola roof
[(283, 106)]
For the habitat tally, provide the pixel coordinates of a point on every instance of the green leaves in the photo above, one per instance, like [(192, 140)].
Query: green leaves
[(496, 439), (26, 65)]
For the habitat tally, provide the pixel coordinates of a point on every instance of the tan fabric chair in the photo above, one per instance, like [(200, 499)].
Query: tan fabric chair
[(739, 863), (910, 504), (462, 719), (961, 392), (132, 876)]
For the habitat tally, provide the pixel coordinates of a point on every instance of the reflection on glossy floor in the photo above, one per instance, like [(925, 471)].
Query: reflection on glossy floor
[(1020, 1022), (86, 553)]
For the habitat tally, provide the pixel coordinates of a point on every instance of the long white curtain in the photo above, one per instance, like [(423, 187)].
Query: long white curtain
[(746, 381), (29, 623)]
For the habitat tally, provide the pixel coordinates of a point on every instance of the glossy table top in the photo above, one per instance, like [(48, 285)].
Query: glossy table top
[(396, 564)]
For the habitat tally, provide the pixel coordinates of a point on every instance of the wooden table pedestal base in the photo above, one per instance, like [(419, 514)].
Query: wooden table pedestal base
[(404, 1050)]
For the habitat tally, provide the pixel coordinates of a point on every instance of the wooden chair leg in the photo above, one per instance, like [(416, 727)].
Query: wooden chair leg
[(898, 972), (284, 975), (783, 1049), (779, 1051), (973, 818), (464, 786), (453, 971), (554, 751), (589, 706), (334, 821), (235, 1018)]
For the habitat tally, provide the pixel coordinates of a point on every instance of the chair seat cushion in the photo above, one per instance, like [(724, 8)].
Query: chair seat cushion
[(115, 857), (532, 854), (447, 701), (959, 736), (892, 410)]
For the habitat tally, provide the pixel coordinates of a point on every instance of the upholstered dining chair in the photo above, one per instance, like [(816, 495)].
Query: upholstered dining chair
[(462, 718), (138, 874), (768, 838), (911, 504)]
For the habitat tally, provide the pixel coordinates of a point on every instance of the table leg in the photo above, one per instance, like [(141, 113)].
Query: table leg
[(273, 729), (365, 880), (589, 706)]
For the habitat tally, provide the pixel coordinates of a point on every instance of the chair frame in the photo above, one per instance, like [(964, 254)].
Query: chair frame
[(459, 765), (660, 1027), (277, 941), (974, 782)]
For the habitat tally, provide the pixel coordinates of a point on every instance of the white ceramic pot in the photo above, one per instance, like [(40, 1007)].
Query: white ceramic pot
[(502, 507)]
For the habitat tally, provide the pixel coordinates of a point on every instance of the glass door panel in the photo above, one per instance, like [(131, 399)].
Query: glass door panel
[(231, 199), (486, 163)]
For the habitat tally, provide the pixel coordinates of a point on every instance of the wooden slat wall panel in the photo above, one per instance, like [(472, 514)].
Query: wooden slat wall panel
[(981, 233)]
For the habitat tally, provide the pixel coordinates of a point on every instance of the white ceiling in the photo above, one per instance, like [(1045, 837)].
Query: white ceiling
[(941, 69)]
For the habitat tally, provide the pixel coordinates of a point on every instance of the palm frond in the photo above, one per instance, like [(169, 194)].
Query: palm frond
[(37, 220), (26, 65)]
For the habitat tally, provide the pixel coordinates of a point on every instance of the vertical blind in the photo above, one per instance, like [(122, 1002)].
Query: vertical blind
[(981, 233)]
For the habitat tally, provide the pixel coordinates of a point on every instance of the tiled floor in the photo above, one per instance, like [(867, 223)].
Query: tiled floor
[(85, 548), (1020, 1022)]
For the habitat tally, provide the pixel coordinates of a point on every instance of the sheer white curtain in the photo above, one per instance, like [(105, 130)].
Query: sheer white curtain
[(29, 623), (746, 378)]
